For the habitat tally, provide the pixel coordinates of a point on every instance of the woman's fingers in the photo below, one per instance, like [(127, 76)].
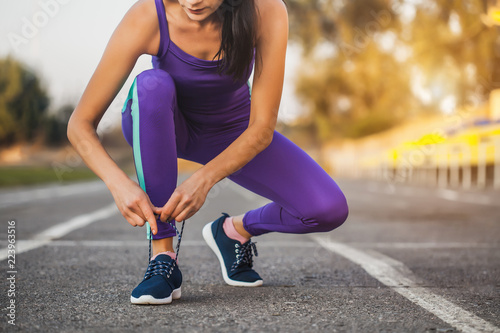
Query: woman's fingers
[(186, 200), (135, 205), (182, 210), (185, 214), (147, 213), (176, 205), (134, 219), (185, 209), (139, 213), (157, 210), (169, 207)]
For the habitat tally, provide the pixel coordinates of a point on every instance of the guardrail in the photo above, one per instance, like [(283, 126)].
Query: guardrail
[(467, 160)]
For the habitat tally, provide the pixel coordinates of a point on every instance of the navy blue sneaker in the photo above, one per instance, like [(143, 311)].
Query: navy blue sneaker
[(161, 283), (236, 259)]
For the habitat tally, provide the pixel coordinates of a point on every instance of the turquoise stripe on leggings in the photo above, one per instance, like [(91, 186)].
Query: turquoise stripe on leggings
[(137, 141)]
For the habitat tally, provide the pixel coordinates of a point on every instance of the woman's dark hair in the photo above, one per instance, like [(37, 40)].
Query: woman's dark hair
[(239, 31), (238, 37)]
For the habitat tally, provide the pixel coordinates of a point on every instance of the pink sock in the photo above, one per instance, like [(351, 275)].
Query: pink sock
[(231, 232), (168, 253)]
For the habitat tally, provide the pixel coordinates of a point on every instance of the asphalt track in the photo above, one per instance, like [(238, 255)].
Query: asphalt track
[(408, 259)]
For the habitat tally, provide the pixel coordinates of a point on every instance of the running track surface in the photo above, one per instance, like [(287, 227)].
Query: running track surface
[(408, 259)]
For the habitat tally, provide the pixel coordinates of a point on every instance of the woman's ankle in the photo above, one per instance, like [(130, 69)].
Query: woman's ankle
[(238, 226), (171, 254), (162, 245)]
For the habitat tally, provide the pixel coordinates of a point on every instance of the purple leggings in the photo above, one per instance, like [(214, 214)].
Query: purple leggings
[(305, 198)]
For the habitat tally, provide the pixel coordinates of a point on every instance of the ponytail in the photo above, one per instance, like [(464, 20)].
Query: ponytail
[(238, 37)]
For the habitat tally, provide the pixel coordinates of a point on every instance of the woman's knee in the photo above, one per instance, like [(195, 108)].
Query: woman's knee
[(156, 85), (151, 98), (156, 97), (328, 212)]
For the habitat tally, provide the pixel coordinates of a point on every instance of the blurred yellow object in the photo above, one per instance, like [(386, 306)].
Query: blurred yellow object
[(471, 146), (430, 139), (492, 17), (494, 14)]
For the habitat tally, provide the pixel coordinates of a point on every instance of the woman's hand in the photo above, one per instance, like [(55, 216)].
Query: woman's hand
[(187, 199), (134, 204)]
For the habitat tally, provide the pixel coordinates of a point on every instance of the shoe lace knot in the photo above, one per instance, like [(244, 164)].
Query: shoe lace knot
[(244, 254), (165, 268), (158, 267)]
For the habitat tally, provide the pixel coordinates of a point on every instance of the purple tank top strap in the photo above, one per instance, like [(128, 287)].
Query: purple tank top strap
[(164, 35)]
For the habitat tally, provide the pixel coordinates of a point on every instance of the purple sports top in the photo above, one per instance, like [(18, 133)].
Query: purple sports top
[(203, 96)]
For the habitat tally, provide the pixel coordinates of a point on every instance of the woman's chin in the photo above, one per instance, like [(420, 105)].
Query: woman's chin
[(196, 17)]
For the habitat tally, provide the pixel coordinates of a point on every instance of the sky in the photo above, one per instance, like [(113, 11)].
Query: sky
[(63, 40)]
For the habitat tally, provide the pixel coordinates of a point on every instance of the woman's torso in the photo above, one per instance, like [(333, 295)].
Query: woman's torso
[(203, 96)]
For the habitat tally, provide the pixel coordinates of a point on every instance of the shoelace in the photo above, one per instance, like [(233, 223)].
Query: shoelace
[(165, 268), (244, 255)]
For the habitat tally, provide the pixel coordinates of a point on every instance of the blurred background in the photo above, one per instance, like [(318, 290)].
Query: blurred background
[(399, 91)]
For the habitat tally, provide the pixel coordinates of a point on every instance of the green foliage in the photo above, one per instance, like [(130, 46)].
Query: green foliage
[(23, 107), (16, 176), (56, 126), (23, 102), (54, 131)]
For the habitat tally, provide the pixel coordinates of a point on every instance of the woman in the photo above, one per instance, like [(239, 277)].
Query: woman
[(196, 104)]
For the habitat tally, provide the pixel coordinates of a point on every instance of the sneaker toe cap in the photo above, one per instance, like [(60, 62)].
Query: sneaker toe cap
[(246, 276), (156, 286)]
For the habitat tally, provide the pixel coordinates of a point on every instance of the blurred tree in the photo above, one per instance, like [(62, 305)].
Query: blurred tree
[(352, 81), (56, 126), (23, 102), (368, 61), (354, 101), (311, 21), (449, 40)]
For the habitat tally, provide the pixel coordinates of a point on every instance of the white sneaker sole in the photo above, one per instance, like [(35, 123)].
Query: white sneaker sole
[(209, 238), (148, 299)]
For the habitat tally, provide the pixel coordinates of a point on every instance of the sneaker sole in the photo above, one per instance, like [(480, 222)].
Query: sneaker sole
[(209, 239), (148, 299)]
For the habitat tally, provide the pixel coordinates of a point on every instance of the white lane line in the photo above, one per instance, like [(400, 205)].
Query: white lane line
[(446, 194), (391, 273), (20, 197), (476, 198), (408, 246), (60, 230), (425, 245), (134, 243)]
